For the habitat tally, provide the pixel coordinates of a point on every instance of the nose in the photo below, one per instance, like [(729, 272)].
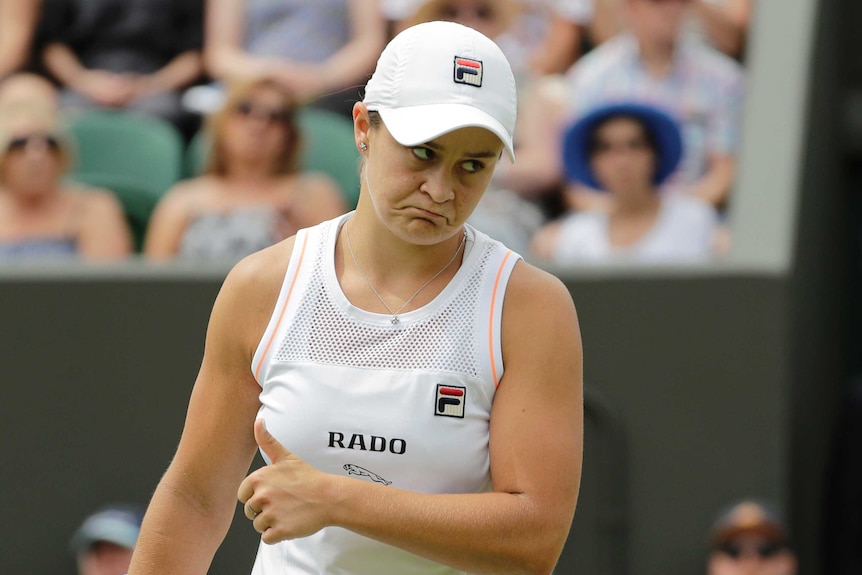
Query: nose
[(439, 185)]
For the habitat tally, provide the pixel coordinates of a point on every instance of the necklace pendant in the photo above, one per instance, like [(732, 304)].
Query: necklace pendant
[(394, 319)]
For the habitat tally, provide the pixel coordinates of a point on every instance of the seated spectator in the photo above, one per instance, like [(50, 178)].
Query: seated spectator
[(721, 24), (252, 194), (628, 150), (104, 542), (321, 50), (18, 22), (40, 216), (135, 55), (654, 62), (26, 88), (750, 538)]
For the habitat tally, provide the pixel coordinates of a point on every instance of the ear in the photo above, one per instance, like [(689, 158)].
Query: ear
[(361, 125)]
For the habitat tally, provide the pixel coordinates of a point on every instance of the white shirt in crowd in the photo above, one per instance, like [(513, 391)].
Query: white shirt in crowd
[(683, 233)]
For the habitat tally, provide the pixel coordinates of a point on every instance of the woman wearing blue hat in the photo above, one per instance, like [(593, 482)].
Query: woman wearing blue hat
[(628, 150)]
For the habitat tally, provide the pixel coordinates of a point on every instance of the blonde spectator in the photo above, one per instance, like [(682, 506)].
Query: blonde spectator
[(28, 88), (253, 193), (40, 216)]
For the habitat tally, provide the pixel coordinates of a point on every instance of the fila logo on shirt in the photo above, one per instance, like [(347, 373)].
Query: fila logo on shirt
[(450, 400), (468, 71)]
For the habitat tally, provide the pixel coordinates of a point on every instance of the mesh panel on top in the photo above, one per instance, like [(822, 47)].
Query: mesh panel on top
[(321, 332)]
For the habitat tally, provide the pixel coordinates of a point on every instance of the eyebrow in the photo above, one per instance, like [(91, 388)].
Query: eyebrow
[(483, 154)]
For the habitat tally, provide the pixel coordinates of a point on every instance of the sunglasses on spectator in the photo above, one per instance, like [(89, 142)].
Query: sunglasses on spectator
[(248, 109), (735, 550), (21, 143)]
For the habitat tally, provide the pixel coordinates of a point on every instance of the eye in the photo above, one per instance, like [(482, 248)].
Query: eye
[(473, 166), (423, 153)]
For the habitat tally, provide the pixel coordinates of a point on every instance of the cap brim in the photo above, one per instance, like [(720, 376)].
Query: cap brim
[(108, 529), (413, 125)]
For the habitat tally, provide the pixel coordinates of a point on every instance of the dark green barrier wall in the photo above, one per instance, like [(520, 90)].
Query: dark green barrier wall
[(687, 404)]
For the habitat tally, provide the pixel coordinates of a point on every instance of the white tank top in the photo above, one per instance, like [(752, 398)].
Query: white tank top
[(405, 405)]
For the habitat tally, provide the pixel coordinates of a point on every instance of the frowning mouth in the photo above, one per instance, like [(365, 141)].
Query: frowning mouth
[(426, 214)]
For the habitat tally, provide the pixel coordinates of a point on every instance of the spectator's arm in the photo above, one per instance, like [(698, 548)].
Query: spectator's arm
[(18, 19), (538, 161), (104, 88), (561, 47), (168, 223), (178, 73), (726, 25), (715, 185), (353, 63), (104, 233)]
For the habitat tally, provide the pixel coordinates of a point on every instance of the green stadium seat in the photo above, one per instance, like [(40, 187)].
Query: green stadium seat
[(134, 151)]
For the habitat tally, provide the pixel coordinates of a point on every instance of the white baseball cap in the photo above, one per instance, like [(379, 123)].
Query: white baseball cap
[(436, 77)]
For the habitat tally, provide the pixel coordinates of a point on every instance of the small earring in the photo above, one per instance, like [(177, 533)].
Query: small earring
[(363, 146)]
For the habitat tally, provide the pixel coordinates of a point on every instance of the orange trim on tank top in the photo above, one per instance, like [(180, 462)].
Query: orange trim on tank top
[(283, 308), (491, 318)]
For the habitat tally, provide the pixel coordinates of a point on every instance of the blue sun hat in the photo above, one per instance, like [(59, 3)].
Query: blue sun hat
[(662, 126)]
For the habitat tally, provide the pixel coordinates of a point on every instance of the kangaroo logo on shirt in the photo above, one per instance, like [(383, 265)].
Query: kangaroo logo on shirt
[(362, 472), (450, 400), (468, 71)]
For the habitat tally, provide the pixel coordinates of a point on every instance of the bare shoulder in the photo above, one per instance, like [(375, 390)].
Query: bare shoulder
[(315, 182), (533, 289), (191, 190), (249, 292), (538, 312), (95, 201)]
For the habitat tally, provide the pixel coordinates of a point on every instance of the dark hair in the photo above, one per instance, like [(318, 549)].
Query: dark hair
[(649, 136)]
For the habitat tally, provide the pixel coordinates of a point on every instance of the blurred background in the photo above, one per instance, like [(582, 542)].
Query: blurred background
[(147, 145)]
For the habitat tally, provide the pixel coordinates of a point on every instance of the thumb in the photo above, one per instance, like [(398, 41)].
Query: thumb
[(269, 444)]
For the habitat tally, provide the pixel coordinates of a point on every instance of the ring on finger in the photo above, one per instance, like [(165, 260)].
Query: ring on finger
[(251, 510)]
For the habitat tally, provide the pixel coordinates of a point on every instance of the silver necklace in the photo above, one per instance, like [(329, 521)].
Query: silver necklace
[(394, 319)]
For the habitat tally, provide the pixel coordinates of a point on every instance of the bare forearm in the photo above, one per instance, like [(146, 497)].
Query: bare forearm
[(178, 73), (727, 31), (229, 63), (477, 533), (714, 187), (63, 64), (351, 64), (178, 536)]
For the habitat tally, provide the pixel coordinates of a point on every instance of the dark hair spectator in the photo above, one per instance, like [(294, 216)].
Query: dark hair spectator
[(134, 55), (253, 193), (40, 215), (628, 150)]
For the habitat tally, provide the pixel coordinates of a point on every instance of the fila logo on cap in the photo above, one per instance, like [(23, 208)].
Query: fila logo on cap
[(450, 400), (468, 71)]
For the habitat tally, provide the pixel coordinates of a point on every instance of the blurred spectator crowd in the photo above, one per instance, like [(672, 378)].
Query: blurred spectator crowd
[(208, 129)]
